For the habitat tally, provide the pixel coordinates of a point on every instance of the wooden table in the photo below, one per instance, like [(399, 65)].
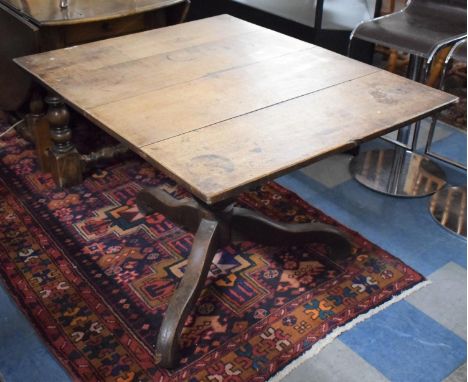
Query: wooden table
[(221, 105)]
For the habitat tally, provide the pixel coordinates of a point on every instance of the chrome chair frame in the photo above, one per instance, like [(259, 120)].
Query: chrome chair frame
[(418, 70), (402, 171), (427, 149)]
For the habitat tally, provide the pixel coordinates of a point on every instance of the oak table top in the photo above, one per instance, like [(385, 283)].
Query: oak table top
[(220, 104)]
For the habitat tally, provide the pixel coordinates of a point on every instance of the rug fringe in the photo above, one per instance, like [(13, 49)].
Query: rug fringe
[(312, 352)]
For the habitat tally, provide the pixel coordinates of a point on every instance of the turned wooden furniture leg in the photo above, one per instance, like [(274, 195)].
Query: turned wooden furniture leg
[(62, 159), (216, 226), (392, 60), (65, 161), (39, 128), (103, 155), (437, 67)]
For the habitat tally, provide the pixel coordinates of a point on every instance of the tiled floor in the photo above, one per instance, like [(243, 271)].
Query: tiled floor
[(422, 338)]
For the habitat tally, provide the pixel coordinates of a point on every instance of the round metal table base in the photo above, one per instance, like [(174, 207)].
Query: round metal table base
[(448, 208), (397, 172)]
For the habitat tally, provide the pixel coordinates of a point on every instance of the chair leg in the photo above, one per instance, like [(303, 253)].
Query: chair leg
[(416, 68), (437, 67), (392, 60)]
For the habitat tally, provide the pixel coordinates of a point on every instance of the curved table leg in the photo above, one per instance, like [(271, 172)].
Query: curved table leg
[(261, 229), (186, 213), (215, 226), (204, 247)]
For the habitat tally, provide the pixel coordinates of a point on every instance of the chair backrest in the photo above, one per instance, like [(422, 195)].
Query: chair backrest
[(459, 51), (437, 4), (446, 11)]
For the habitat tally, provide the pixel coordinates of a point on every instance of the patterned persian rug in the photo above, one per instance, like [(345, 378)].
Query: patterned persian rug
[(94, 277)]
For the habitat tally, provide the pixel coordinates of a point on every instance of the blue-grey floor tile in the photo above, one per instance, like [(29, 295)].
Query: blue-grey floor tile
[(336, 363), (445, 299), (402, 226), (320, 171), (451, 146), (458, 375), (406, 345), (23, 357)]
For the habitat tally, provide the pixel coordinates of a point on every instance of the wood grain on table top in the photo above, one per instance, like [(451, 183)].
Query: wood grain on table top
[(48, 12), (220, 104)]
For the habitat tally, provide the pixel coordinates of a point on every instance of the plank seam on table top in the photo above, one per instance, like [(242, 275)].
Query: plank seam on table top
[(257, 28), (88, 112), (156, 89), (261, 108), (214, 197), (210, 195), (144, 57), (53, 84), (26, 66)]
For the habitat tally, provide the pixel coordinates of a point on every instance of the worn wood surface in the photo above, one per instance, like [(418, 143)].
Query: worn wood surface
[(221, 104), (170, 43), (224, 95), (49, 12), (219, 159)]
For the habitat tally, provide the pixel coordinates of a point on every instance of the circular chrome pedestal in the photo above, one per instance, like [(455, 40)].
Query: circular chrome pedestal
[(397, 172), (448, 208)]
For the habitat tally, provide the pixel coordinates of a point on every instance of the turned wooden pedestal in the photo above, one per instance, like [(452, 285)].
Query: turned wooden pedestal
[(215, 226)]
